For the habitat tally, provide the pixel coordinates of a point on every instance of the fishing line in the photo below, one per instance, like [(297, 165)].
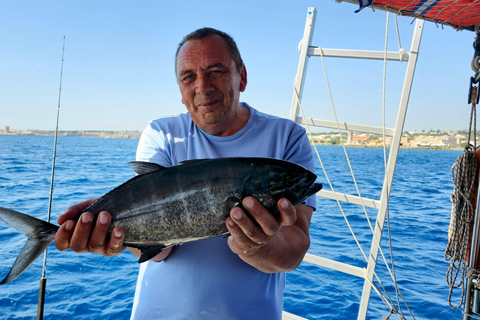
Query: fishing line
[(35, 69), (43, 279)]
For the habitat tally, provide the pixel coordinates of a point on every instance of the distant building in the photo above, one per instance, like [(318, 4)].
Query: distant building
[(460, 139), (6, 130), (356, 140), (360, 139), (450, 141), (434, 141)]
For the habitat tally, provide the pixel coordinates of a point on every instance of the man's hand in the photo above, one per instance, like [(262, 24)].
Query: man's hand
[(84, 236), (270, 245)]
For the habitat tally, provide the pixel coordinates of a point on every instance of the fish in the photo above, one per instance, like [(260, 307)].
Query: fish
[(165, 206)]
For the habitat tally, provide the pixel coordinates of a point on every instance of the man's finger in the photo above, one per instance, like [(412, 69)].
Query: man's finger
[(73, 211), (246, 236), (96, 244), (63, 235), (115, 244), (81, 234), (288, 214), (265, 221)]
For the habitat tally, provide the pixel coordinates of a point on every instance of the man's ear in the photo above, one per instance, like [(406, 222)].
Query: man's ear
[(243, 80)]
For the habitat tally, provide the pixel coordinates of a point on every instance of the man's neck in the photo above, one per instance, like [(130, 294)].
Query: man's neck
[(230, 126)]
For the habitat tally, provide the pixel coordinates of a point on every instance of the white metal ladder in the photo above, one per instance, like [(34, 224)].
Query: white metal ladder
[(307, 51)]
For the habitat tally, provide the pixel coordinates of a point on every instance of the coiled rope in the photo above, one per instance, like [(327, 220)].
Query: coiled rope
[(464, 171)]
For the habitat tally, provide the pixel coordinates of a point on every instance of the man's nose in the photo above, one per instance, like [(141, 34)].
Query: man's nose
[(204, 85)]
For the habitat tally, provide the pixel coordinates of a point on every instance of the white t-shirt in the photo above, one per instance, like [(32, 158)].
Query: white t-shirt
[(205, 279)]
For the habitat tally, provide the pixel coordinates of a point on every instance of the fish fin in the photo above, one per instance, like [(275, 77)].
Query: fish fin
[(143, 167), (40, 235), (30, 252), (148, 252), (194, 161)]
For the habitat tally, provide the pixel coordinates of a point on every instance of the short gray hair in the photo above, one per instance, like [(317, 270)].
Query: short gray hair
[(203, 33)]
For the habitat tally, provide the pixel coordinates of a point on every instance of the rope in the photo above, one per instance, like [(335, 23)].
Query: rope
[(463, 177), (398, 292), (400, 49), (385, 297), (472, 273), (374, 286), (387, 211), (387, 317), (398, 34), (470, 315)]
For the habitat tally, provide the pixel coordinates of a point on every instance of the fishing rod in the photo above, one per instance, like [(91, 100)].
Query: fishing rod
[(43, 279)]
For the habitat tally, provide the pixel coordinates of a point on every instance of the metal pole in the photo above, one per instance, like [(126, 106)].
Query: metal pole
[(392, 160), (471, 300), (43, 280)]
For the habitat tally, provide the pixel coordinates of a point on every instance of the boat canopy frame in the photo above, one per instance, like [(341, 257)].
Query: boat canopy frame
[(307, 50)]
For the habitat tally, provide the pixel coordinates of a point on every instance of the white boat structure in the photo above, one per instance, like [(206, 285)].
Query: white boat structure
[(458, 14)]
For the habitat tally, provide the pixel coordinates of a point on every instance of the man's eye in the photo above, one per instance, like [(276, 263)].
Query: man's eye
[(215, 73), (187, 79)]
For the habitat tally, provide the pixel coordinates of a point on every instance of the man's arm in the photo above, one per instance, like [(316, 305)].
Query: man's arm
[(270, 245)]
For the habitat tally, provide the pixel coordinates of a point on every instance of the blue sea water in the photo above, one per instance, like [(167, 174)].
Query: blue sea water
[(86, 286)]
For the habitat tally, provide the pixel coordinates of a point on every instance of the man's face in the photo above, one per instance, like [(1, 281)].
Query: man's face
[(210, 83)]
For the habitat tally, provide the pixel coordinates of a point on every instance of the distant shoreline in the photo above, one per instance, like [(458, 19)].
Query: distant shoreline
[(137, 134), (401, 147), (84, 134)]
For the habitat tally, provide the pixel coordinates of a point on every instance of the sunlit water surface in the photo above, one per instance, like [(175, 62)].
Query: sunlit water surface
[(86, 286)]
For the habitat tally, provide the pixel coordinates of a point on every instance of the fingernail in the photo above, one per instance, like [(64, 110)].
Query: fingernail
[(69, 226), (230, 222), (103, 218), (284, 204), (249, 203), (86, 217), (238, 215), (117, 234)]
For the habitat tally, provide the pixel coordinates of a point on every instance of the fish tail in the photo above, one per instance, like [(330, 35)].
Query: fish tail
[(40, 235)]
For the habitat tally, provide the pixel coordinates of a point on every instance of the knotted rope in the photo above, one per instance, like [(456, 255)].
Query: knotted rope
[(463, 176), (463, 208)]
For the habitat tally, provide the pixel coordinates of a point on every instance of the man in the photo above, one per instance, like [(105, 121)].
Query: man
[(239, 277)]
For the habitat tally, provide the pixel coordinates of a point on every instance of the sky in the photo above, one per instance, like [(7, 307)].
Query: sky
[(118, 69)]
